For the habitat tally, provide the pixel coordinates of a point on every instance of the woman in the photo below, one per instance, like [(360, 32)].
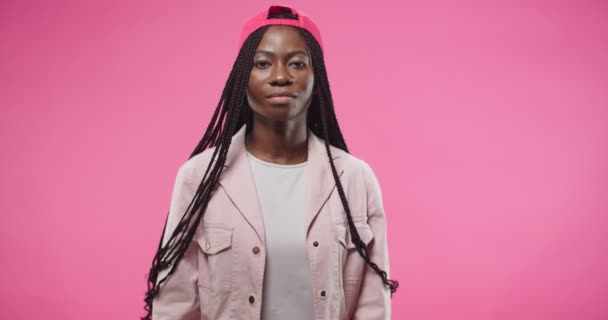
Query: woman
[(267, 219)]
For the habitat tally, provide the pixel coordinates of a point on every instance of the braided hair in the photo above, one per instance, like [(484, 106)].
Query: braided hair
[(231, 113)]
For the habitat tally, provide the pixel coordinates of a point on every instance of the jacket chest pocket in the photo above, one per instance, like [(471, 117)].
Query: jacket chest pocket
[(344, 235), (215, 265), (353, 264)]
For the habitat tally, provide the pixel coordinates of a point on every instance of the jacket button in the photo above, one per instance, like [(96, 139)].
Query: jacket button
[(255, 250), (323, 293), (251, 299), (316, 244)]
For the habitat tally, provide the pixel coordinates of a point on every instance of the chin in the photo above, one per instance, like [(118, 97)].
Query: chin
[(279, 116), (280, 112)]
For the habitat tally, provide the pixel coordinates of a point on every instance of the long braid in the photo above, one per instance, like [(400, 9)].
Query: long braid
[(333, 135), (219, 135)]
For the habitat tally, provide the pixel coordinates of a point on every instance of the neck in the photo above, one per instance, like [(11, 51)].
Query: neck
[(282, 142)]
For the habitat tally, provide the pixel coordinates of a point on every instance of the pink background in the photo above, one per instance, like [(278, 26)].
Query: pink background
[(485, 122)]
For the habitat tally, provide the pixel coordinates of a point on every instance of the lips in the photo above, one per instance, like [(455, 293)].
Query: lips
[(281, 94), (281, 98)]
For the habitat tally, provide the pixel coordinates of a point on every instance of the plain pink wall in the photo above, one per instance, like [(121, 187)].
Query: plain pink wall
[(486, 123)]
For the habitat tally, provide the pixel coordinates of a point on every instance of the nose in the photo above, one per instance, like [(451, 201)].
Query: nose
[(280, 76)]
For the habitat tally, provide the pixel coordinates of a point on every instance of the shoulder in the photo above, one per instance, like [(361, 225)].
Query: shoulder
[(357, 168), (351, 161), (191, 169), (347, 161), (361, 179)]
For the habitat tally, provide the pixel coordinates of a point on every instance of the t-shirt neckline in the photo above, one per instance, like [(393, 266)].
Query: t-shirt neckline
[(277, 165)]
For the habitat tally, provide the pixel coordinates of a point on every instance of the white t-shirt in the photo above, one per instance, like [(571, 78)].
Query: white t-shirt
[(281, 193)]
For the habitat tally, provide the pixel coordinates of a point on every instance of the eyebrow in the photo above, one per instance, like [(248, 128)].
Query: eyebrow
[(290, 54)]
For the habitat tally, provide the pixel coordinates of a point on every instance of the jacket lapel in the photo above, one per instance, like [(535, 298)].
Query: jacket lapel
[(237, 180), (320, 177)]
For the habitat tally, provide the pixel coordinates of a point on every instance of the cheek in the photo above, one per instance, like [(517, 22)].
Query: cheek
[(310, 84), (255, 84)]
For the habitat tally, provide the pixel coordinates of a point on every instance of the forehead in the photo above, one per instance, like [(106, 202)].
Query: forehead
[(282, 39)]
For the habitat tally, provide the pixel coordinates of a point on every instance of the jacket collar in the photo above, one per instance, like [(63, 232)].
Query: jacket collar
[(237, 180)]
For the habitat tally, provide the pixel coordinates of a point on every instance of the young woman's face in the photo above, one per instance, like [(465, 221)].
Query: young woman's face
[(281, 80)]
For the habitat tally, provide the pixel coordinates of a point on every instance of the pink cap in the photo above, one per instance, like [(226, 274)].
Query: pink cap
[(261, 19)]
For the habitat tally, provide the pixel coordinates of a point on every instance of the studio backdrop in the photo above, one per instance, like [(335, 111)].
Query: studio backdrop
[(486, 123)]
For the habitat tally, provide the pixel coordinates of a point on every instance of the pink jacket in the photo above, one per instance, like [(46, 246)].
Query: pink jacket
[(221, 274)]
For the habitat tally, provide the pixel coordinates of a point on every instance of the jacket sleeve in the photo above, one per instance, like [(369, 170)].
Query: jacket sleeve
[(374, 302), (177, 298)]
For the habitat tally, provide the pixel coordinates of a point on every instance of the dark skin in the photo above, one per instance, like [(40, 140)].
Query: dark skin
[(282, 65)]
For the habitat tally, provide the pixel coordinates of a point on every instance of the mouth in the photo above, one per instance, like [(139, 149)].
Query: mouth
[(281, 97)]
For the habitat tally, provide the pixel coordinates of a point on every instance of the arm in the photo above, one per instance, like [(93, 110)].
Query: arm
[(178, 296), (374, 302)]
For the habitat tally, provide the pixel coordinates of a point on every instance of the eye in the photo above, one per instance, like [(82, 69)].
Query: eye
[(299, 64), (261, 64)]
